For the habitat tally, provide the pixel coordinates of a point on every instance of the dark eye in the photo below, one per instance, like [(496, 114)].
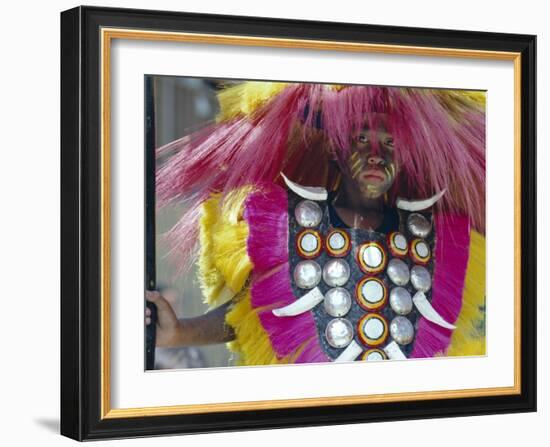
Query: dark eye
[(362, 139), (389, 142)]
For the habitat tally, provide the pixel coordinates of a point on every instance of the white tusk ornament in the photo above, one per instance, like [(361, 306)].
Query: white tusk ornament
[(418, 205), (317, 193), (393, 351), (301, 305), (350, 353), (428, 312)]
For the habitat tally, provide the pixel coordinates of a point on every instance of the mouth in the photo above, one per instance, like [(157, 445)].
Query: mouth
[(373, 175)]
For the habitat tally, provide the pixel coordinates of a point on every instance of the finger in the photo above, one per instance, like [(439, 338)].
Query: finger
[(155, 297), (147, 321), (147, 312), (162, 304), (166, 315), (152, 295)]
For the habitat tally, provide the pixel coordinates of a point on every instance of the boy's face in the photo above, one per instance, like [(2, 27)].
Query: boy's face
[(371, 165)]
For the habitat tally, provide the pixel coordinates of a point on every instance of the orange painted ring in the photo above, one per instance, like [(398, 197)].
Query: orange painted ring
[(363, 302), (309, 254), (363, 265), (394, 249), (415, 256), (368, 352), (364, 337), (338, 252)]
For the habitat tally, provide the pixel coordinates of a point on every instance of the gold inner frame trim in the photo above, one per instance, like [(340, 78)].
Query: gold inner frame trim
[(107, 35)]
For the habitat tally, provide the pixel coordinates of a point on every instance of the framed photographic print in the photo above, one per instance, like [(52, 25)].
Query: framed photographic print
[(273, 223)]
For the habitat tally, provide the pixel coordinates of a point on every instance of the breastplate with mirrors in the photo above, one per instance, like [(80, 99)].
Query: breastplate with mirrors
[(366, 289)]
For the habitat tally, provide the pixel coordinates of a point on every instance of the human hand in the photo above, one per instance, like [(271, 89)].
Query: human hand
[(168, 327)]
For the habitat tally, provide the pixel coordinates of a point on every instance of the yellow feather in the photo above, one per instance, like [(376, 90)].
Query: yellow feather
[(245, 98), (251, 342), (223, 258), (210, 278), (224, 263), (469, 336), (478, 97), (252, 345)]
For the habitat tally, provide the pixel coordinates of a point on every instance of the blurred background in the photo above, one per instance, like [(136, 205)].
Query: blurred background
[(177, 106)]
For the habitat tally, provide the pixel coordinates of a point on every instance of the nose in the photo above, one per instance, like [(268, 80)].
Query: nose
[(375, 160)]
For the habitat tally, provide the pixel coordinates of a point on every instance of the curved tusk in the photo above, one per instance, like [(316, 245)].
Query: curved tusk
[(428, 312), (418, 205), (393, 351), (317, 193), (350, 353), (301, 305)]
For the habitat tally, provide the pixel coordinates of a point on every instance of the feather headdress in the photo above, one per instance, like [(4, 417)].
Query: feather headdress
[(266, 128)]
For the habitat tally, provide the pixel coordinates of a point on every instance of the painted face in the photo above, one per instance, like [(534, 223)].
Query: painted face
[(371, 163)]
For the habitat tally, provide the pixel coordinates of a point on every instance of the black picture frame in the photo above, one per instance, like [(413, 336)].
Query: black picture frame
[(81, 216)]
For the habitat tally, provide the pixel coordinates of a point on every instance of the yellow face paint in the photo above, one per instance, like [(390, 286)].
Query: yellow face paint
[(370, 165), (359, 167)]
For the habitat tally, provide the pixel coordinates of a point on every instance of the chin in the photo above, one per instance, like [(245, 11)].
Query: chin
[(370, 194)]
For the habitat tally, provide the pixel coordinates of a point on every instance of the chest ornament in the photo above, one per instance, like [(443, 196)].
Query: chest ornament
[(366, 289)]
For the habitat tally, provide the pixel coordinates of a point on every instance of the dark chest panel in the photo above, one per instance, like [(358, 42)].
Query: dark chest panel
[(374, 274)]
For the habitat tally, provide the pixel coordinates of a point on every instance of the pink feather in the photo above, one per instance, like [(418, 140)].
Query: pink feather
[(267, 217)]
